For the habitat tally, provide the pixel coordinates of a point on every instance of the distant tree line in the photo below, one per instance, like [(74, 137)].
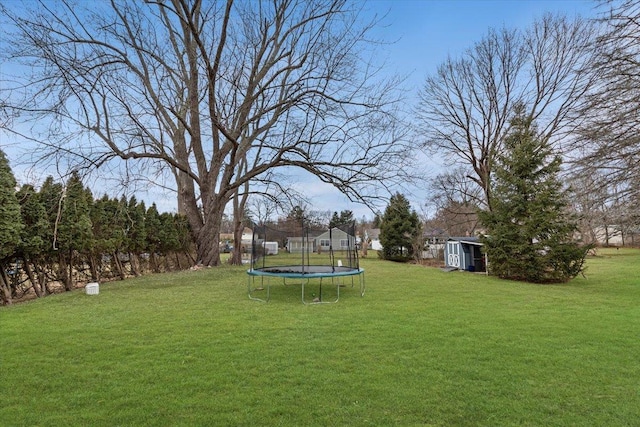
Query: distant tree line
[(60, 235)]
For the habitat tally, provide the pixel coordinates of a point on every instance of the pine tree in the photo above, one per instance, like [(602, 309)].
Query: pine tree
[(153, 230), (10, 223), (529, 230), (399, 229), (74, 228), (169, 239), (51, 196), (345, 218), (75, 234), (335, 220), (36, 236), (109, 221), (135, 241)]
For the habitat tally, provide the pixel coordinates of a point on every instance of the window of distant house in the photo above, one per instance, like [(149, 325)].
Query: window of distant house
[(325, 243), (344, 243)]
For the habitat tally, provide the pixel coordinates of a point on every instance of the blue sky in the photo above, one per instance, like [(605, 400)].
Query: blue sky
[(428, 30), (421, 33)]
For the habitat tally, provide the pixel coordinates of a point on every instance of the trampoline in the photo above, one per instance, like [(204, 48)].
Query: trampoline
[(299, 254)]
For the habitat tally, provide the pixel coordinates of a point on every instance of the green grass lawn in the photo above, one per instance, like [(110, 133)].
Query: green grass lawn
[(422, 347)]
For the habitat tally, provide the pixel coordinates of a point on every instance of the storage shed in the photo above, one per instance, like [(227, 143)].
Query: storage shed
[(464, 253)]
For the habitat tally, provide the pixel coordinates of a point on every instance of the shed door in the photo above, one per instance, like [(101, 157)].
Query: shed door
[(453, 254)]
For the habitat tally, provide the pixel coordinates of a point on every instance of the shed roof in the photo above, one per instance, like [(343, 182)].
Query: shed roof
[(468, 239)]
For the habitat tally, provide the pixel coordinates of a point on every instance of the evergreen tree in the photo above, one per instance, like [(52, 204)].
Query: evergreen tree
[(10, 223), (529, 231), (297, 214), (377, 221), (335, 220), (185, 238), (108, 220), (74, 228), (51, 196), (345, 218), (169, 239), (399, 229), (36, 235), (135, 241), (153, 228), (75, 235), (135, 229)]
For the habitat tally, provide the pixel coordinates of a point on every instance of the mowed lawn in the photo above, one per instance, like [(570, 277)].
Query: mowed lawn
[(422, 347)]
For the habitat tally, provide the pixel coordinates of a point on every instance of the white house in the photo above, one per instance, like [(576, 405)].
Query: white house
[(298, 244), (610, 235), (337, 239), (373, 236)]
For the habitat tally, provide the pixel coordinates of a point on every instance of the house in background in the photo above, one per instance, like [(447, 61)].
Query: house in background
[(338, 239), (247, 235), (298, 244), (434, 240), (610, 235), (373, 236), (464, 253)]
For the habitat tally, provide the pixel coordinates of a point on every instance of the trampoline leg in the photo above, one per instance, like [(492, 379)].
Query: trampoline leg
[(320, 301), (320, 293), (250, 281), (303, 301)]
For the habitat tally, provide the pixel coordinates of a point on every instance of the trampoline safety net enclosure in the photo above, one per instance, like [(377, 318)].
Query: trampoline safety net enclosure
[(295, 253)]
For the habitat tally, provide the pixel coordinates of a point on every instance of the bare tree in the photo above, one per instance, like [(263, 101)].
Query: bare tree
[(590, 203), (609, 138), (455, 187), (464, 108), (218, 93)]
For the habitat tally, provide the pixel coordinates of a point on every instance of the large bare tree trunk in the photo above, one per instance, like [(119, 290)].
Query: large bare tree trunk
[(236, 254), (239, 205), (208, 238)]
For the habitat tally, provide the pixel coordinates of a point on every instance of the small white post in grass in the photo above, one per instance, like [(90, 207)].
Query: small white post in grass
[(92, 288)]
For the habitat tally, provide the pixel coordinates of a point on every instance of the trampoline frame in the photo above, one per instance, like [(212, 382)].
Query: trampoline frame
[(304, 271), (305, 276)]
